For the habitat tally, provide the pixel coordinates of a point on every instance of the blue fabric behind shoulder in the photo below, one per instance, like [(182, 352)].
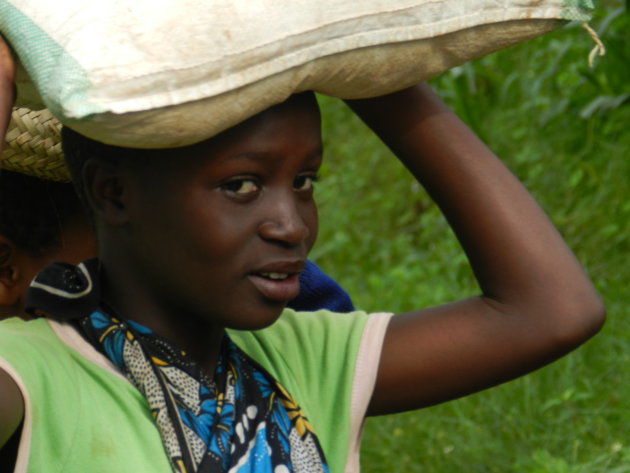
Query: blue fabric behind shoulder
[(320, 291)]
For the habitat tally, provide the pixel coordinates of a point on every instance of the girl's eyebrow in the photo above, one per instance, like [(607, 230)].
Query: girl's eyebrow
[(257, 156)]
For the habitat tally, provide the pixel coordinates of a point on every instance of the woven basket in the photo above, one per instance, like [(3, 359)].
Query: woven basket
[(33, 145)]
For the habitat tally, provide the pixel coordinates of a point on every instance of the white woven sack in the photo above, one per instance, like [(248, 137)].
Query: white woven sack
[(163, 73)]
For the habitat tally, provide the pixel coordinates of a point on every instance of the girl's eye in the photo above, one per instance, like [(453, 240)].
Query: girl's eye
[(304, 182), (241, 186)]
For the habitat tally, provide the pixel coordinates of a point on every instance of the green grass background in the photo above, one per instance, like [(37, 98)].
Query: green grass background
[(564, 129)]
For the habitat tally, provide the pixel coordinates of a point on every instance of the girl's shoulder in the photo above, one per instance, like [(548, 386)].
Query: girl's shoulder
[(328, 362), (302, 335), (79, 410)]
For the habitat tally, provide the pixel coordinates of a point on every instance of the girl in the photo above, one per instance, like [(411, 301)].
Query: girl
[(173, 351)]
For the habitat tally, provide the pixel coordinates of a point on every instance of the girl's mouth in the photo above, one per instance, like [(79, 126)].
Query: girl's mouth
[(280, 287), (275, 276)]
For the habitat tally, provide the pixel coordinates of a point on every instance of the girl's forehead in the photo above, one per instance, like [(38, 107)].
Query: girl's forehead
[(295, 122), (298, 110), (291, 128)]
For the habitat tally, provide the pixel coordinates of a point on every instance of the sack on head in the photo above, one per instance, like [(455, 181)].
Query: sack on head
[(166, 73)]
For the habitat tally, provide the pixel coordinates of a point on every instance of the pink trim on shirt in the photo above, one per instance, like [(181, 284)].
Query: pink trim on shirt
[(365, 373)]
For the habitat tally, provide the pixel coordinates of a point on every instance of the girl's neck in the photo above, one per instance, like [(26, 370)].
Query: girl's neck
[(200, 338)]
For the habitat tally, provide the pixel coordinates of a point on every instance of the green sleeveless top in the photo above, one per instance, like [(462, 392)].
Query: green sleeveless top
[(83, 416)]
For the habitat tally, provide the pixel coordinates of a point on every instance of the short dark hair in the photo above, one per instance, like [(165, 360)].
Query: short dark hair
[(33, 212)]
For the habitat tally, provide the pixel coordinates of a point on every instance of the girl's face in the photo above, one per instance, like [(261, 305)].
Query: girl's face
[(220, 230)]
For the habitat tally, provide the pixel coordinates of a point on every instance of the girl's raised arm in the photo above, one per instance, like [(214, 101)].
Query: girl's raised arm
[(11, 406), (536, 302), (7, 88)]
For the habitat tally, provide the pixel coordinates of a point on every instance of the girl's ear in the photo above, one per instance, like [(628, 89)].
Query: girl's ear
[(105, 191)]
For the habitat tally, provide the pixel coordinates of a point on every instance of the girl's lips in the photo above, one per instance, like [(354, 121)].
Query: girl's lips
[(280, 290)]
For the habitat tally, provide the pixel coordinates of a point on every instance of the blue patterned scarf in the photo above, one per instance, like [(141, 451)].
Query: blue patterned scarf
[(241, 420)]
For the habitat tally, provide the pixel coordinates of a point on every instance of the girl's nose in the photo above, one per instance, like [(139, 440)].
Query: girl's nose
[(284, 223)]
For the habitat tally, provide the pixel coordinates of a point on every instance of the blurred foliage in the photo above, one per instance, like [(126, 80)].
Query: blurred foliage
[(564, 129)]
